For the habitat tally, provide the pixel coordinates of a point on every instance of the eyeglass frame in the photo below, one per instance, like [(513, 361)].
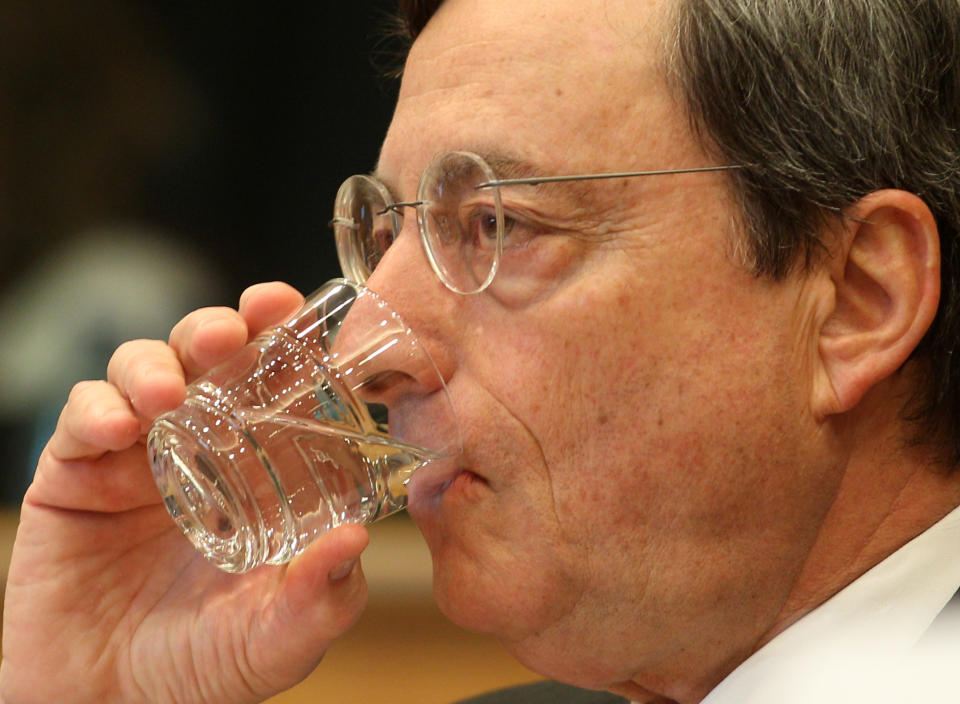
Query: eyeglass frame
[(396, 207)]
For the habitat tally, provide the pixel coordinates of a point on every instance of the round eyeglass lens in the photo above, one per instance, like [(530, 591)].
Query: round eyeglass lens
[(362, 230), (461, 223)]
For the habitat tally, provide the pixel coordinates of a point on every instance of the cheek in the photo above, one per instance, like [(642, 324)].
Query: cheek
[(501, 562), (657, 421), (574, 416), (532, 272)]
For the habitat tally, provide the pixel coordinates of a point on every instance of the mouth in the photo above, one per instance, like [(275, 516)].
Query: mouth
[(464, 476), (429, 483)]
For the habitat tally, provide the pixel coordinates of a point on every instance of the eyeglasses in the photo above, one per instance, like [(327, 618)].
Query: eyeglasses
[(460, 216)]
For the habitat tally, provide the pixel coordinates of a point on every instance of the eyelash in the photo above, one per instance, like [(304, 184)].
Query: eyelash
[(512, 225)]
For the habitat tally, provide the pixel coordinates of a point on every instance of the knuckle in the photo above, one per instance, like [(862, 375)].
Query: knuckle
[(196, 318), (83, 394), (184, 333), (86, 406), (82, 389), (141, 369), (254, 290), (129, 354), (136, 352), (130, 348)]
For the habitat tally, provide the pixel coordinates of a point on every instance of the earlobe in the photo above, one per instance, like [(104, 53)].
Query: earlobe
[(886, 275)]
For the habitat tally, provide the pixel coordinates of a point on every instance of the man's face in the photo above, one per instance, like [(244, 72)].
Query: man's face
[(639, 482)]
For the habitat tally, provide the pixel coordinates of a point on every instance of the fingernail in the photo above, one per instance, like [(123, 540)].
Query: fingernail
[(342, 571)]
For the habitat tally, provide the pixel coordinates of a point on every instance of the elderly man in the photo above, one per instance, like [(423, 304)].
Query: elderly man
[(710, 416)]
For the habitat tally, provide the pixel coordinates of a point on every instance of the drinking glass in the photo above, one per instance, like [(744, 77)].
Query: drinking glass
[(317, 422)]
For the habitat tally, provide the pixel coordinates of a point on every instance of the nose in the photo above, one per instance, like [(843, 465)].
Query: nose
[(380, 355), (406, 281), (382, 361)]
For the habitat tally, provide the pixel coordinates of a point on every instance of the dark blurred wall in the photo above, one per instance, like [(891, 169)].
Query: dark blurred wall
[(156, 156), (231, 124), (294, 105)]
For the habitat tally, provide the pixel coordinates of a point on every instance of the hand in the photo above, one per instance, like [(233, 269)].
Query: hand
[(108, 602)]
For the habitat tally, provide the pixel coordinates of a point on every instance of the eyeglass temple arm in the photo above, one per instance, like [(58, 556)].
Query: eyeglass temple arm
[(535, 180)]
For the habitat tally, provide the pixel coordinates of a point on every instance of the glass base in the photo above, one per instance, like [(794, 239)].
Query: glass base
[(202, 502)]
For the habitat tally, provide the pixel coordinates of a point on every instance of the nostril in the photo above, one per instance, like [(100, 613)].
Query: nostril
[(381, 381), (380, 360), (384, 387), (380, 353)]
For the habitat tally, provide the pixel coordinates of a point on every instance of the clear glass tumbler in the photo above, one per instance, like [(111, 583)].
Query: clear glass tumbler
[(317, 422)]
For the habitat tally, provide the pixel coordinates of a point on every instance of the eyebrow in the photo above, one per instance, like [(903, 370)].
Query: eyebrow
[(514, 171), (536, 180), (511, 170), (504, 167)]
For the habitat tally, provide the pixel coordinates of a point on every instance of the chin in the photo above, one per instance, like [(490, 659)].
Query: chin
[(500, 563), (476, 593), (536, 616), (571, 658), (525, 605)]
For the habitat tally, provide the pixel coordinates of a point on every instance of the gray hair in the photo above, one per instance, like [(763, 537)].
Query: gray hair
[(827, 101)]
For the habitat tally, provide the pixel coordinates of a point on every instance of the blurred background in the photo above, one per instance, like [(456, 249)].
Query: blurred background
[(156, 156)]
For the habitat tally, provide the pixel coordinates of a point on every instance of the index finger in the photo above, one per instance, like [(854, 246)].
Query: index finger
[(263, 305), (209, 336)]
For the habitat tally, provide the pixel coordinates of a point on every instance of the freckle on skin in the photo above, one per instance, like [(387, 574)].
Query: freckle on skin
[(558, 92)]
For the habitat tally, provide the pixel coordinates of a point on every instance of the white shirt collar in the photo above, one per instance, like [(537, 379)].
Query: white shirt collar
[(846, 649)]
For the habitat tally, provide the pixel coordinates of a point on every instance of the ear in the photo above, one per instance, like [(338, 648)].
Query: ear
[(886, 278)]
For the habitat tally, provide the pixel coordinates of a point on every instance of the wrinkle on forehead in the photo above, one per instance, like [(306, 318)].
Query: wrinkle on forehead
[(557, 33), (555, 88)]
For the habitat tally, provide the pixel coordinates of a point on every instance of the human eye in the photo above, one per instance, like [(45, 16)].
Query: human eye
[(480, 227)]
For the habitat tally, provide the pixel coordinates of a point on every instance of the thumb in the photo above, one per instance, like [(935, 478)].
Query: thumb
[(322, 596)]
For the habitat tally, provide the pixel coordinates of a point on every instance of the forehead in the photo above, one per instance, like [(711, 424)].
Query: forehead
[(564, 86)]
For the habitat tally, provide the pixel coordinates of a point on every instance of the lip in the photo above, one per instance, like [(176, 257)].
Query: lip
[(431, 481)]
